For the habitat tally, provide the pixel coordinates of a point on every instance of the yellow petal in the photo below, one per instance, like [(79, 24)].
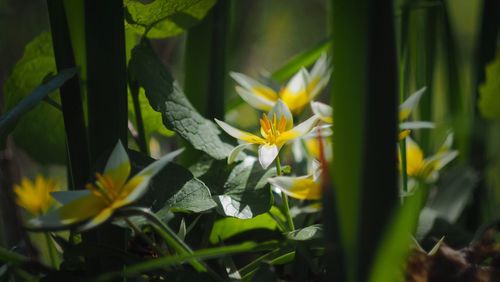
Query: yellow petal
[(302, 188), (295, 95), (118, 166), (403, 134), (81, 209), (414, 158), (100, 218), (298, 131)]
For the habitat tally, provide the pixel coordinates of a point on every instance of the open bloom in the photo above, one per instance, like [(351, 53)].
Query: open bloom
[(405, 109), (306, 187), (300, 90), (111, 191), (276, 129), (35, 196), (427, 169)]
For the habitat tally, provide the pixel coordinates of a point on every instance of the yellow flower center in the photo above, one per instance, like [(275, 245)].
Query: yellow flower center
[(104, 188), (271, 129)]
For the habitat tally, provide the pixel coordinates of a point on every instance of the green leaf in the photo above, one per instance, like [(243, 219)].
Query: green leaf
[(312, 232), (151, 119), (41, 131), (301, 60), (395, 245), (489, 91), (229, 226), (165, 18), (166, 97), (8, 120), (193, 197), (454, 192), (246, 193)]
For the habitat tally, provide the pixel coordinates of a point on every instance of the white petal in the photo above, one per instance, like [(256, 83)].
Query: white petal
[(448, 142), (410, 103), (238, 134), (325, 130), (298, 131), (148, 173), (235, 152), (324, 111), (257, 101), (298, 83), (267, 154), (416, 125), (65, 197), (247, 82), (320, 67), (316, 170), (281, 109), (118, 165)]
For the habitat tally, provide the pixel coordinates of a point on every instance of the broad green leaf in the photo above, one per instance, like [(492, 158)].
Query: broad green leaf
[(8, 120), (489, 91), (246, 192), (455, 189), (166, 97), (312, 232), (41, 131), (194, 196), (165, 18), (229, 226), (151, 119)]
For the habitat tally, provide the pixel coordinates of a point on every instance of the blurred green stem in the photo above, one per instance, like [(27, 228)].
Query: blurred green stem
[(284, 198), (50, 250)]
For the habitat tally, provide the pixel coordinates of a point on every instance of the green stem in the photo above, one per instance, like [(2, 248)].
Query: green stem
[(404, 171), (143, 236), (50, 249), (198, 255), (173, 240), (141, 141), (252, 266), (284, 198)]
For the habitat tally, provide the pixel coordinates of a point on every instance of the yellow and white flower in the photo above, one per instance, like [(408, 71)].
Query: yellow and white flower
[(405, 109), (112, 190), (276, 130), (306, 187), (324, 111), (300, 90), (34, 196), (426, 169)]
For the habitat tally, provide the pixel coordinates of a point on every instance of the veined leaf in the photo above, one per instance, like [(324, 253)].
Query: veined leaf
[(194, 196), (312, 232), (246, 192), (166, 97), (165, 18)]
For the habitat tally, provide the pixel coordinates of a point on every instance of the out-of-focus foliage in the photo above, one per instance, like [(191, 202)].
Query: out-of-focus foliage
[(44, 121), (165, 18), (489, 102)]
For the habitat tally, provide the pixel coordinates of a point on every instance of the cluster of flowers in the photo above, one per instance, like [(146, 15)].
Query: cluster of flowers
[(277, 125), (113, 189)]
